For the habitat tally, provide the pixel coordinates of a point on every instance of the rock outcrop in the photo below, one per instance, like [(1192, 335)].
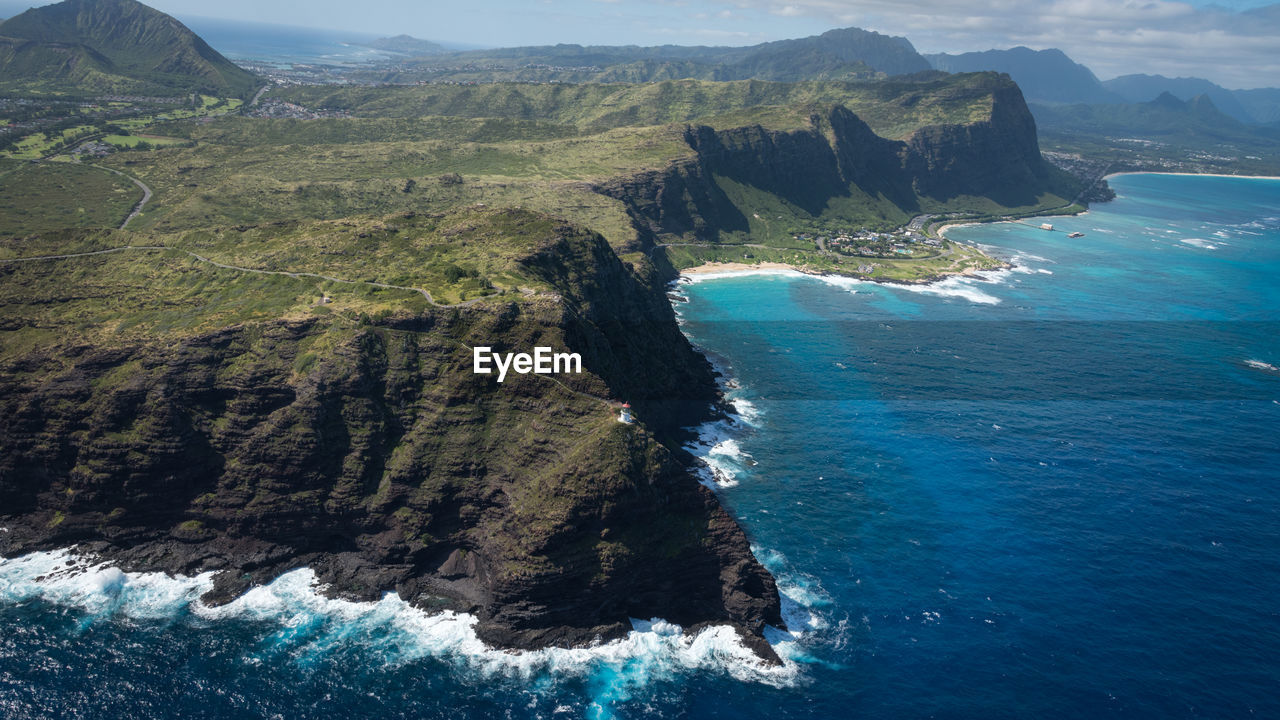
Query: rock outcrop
[(996, 157), (374, 455)]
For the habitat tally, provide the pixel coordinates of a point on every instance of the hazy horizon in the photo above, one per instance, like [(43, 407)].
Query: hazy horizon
[(1232, 43)]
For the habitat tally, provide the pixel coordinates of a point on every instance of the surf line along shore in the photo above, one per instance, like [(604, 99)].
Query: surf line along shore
[(716, 269)]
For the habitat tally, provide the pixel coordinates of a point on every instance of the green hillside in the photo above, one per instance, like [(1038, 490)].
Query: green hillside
[(840, 54), (894, 108), (111, 47)]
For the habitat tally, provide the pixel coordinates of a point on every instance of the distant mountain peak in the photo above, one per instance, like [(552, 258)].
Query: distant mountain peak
[(408, 45), (1044, 75), (1167, 99), (112, 46), (1202, 103), (1143, 88)]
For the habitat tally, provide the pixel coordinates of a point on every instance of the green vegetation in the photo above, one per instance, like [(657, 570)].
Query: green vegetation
[(893, 108), (951, 258), (40, 144), (774, 220), (49, 196), (147, 293), (142, 142), (96, 47), (226, 181), (277, 349), (383, 197)]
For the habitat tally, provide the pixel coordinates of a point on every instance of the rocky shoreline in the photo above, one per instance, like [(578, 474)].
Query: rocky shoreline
[(387, 465), (715, 268)]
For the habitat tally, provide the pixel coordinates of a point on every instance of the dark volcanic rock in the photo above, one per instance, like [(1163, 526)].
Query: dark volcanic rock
[(997, 157), (385, 464)]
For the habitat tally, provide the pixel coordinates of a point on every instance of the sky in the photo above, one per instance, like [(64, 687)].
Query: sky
[(1235, 43)]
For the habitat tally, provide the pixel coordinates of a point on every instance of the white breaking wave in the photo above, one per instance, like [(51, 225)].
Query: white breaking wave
[(1022, 263), (746, 411), (964, 287), (843, 282), (717, 442), (1259, 365), (723, 459), (98, 589), (310, 623), (701, 277), (804, 604), (1200, 243), (959, 286)]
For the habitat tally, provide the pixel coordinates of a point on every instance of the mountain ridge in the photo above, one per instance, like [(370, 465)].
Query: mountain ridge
[(842, 53), (1145, 88), (1044, 75), (115, 46)]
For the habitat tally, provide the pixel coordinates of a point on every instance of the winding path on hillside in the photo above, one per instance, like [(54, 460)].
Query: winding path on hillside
[(465, 303), (385, 286), (146, 194)]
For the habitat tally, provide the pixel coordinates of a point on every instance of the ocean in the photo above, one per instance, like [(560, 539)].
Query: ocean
[(285, 45), (1047, 491)]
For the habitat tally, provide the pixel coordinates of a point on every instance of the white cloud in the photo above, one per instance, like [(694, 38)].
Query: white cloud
[(1236, 49)]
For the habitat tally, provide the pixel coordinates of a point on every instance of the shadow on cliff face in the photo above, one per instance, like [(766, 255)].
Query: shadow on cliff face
[(626, 331), (372, 453), (839, 156)]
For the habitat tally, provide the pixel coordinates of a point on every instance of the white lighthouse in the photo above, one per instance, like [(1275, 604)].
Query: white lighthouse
[(625, 415)]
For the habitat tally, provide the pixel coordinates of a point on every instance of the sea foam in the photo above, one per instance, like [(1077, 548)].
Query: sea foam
[(308, 624), (701, 277), (1199, 242), (963, 287), (717, 446)]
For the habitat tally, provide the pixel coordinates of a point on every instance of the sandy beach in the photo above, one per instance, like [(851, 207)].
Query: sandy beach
[(942, 231), (1224, 175), (735, 267)]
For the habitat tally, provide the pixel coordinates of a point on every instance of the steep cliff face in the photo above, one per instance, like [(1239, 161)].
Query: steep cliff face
[(837, 155), (998, 158), (373, 454)]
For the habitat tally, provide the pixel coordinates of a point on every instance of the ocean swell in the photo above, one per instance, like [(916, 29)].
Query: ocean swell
[(308, 624)]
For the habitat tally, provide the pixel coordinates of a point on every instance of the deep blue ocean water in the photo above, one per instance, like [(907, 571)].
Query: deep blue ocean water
[(1053, 491), (286, 45)]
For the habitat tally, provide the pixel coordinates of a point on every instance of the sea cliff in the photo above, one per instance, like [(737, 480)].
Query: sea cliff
[(372, 453), (167, 410), (816, 171)]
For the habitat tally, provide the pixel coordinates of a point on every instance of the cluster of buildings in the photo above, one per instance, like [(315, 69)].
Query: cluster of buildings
[(280, 109), (867, 243), (95, 149), (25, 116)]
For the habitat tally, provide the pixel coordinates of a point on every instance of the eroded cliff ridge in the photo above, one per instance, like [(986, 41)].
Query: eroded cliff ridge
[(365, 447), (279, 373), (827, 165)]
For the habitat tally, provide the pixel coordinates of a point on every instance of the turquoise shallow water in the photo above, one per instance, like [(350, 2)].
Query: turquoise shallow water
[(1053, 491)]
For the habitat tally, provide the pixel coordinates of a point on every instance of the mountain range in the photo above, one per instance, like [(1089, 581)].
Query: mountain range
[(1261, 105), (1050, 77), (1043, 75), (112, 46), (847, 53)]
